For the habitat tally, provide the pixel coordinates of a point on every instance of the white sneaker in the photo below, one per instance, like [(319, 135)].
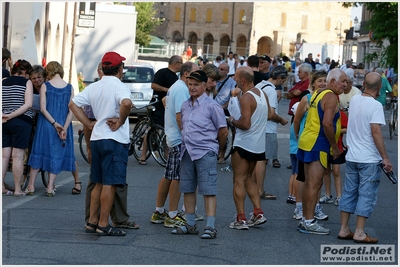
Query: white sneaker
[(298, 213), (256, 220)]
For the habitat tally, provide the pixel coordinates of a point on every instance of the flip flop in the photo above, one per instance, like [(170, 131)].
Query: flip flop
[(276, 164), (8, 193), (76, 191), (142, 162)]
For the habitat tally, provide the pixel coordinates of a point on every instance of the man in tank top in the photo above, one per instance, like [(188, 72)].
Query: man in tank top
[(249, 147)]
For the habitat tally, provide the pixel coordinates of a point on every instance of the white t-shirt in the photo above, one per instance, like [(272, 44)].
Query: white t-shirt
[(269, 89), (105, 97), (344, 99), (231, 64), (363, 111), (176, 95)]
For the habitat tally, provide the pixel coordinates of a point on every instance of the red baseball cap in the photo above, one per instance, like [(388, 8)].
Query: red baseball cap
[(111, 59)]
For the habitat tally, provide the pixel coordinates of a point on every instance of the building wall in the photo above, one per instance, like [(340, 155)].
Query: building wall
[(263, 28)]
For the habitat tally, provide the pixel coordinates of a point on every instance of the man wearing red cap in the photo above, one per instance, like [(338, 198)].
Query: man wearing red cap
[(109, 142)]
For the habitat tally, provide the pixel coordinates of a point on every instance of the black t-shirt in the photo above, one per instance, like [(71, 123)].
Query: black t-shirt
[(166, 78), (259, 77)]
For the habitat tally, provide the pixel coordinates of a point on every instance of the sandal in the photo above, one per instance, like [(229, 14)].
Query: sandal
[(91, 228), (109, 230), (267, 196), (51, 193), (8, 193), (127, 224), (29, 192), (275, 163), (142, 162), (209, 233), (186, 229), (76, 191)]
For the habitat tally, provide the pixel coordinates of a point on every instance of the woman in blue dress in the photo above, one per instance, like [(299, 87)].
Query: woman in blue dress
[(53, 144)]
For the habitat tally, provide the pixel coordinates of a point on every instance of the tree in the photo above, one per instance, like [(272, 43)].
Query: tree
[(384, 25), (146, 21)]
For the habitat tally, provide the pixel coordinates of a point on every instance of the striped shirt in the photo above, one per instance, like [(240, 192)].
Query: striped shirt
[(13, 95)]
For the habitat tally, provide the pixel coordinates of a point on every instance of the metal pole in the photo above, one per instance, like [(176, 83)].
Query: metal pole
[(72, 43)]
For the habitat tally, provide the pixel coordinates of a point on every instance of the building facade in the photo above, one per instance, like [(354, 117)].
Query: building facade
[(248, 28)]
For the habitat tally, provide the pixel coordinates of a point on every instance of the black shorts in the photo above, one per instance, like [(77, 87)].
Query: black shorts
[(300, 173), (249, 155), (16, 133)]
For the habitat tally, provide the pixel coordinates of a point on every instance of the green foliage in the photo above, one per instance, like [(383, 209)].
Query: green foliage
[(81, 84), (146, 22), (384, 25)]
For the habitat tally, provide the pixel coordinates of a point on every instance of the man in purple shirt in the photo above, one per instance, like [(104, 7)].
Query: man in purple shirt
[(204, 134)]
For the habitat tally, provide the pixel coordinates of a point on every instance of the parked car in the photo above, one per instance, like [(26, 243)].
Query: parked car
[(138, 77)]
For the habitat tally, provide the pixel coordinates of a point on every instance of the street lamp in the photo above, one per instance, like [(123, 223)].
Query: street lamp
[(340, 35)]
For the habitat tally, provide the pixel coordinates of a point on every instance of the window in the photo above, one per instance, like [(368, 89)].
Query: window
[(283, 19), (225, 15), (177, 14), (192, 15), (241, 16), (304, 19), (327, 24), (209, 15)]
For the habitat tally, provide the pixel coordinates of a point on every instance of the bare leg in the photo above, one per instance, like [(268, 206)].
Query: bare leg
[(18, 168), (95, 203), (75, 174), (190, 202), (106, 202), (52, 178), (162, 192), (359, 234), (6, 154), (344, 224), (240, 167), (174, 195), (259, 175), (145, 147), (338, 182), (32, 178), (327, 181), (314, 172)]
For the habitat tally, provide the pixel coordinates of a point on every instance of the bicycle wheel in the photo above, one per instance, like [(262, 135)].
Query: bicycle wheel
[(157, 144), (82, 145), (45, 178), (391, 124), (229, 142), (27, 169), (137, 139)]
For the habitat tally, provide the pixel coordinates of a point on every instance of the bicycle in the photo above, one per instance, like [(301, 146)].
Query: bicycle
[(393, 117), (156, 138)]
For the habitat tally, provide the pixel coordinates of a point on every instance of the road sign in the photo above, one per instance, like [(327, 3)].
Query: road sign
[(87, 11), (298, 46)]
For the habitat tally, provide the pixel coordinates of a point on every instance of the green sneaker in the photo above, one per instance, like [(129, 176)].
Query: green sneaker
[(174, 222), (157, 217)]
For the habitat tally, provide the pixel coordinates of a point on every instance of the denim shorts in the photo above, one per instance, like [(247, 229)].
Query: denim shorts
[(271, 145), (360, 188), (109, 162), (173, 169), (201, 173)]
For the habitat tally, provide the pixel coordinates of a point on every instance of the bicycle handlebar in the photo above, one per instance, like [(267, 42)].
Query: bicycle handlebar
[(149, 104)]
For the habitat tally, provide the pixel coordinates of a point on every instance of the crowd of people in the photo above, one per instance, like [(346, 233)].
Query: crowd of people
[(197, 106)]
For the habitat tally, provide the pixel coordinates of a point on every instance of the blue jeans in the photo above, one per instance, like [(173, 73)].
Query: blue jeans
[(360, 188)]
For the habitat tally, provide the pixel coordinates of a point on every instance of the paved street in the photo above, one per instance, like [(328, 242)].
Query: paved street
[(50, 230)]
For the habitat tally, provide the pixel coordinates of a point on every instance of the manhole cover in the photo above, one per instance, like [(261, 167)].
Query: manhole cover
[(66, 236)]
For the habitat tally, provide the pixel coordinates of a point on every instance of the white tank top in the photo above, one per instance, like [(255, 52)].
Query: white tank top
[(253, 139)]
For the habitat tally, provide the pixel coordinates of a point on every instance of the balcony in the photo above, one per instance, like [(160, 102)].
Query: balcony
[(364, 27)]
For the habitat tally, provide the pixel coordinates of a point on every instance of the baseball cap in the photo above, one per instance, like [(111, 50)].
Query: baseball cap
[(241, 58), (112, 59), (198, 75), (265, 57)]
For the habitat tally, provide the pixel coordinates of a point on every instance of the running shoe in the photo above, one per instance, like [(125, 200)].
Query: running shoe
[(157, 217), (256, 220), (312, 228)]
